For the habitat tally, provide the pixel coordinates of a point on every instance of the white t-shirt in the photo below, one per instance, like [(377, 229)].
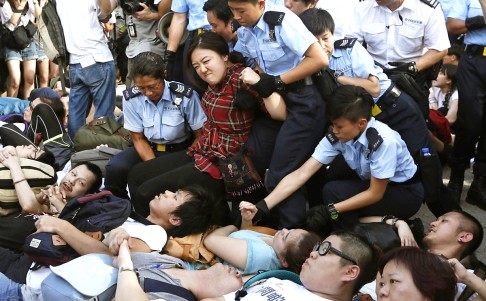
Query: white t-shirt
[(439, 97), (277, 290)]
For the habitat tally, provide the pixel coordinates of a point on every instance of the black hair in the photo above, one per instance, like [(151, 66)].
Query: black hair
[(220, 9), (96, 171), (351, 102), (148, 64), (366, 255), (298, 251), (211, 41), (456, 50), (317, 21), (198, 213), (245, 1), (470, 224), (48, 158), (450, 71)]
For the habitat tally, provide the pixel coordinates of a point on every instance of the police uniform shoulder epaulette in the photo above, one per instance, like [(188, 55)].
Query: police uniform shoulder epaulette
[(431, 3), (345, 43), (374, 141), (181, 89), (274, 17), (331, 138), (131, 92)]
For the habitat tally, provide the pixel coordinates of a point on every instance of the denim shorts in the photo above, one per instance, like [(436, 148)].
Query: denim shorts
[(27, 54), (41, 55)]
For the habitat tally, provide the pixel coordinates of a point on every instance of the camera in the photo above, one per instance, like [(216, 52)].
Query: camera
[(133, 6)]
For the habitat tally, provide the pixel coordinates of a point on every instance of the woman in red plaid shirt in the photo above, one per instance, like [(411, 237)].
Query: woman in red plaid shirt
[(231, 107)]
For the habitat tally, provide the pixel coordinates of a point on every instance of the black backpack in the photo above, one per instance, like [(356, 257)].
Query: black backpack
[(93, 214)]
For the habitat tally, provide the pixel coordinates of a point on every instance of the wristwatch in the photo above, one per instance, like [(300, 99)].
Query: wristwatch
[(412, 67), (279, 84), (333, 211)]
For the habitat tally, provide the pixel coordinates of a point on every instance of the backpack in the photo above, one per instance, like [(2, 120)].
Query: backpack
[(102, 130), (440, 126), (93, 214), (38, 175), (52, 37)]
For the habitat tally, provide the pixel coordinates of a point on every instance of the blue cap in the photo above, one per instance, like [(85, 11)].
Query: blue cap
[(44, 92)]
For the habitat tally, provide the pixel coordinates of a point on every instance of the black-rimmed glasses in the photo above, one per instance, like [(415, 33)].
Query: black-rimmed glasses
[(324, 247), (150, 88)]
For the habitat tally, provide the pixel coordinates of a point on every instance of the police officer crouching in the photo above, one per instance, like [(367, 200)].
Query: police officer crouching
[(160, 115), (385, 180)]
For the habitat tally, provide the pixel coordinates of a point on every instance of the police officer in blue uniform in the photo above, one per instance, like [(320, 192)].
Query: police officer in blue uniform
[(187, 14), (467, 17), (385, 181), (288, 54), (160, 115)]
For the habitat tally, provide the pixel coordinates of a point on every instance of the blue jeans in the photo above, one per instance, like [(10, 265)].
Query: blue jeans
[(96, 82), (9, 290)]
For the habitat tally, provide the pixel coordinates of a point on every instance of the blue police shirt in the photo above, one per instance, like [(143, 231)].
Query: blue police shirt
[(357, 62), (249, 62), (464, 9), (163, 123), (275, 57), (195, 13), (391, 160)]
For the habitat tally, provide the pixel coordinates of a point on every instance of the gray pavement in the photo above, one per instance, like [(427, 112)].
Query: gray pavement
[(480, 214)]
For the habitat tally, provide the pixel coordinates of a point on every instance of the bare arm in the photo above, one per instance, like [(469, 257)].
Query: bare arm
[(164, 7), (128, 287), (368, 197), (429, 58), (142, 146), (197, 134), (469, 279), (404, 231), (314, 60), (452, 113), (229, 249), (291, 182), (370, 84), (14, 19), (456, 26), (106, 7), (176, 30)]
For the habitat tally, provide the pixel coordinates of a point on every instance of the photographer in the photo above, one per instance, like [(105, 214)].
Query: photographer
[(141, 19)]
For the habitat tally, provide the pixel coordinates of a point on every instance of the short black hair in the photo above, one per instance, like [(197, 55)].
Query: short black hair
[(199, 213), (351, 102), (220, 9), (148, 64), (245, 1), (48, 158), (317, 21), (95, 169), (456, 50), (469, 223)]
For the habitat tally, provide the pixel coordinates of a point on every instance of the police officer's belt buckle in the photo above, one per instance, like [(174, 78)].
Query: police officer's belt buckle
[(161, 147)]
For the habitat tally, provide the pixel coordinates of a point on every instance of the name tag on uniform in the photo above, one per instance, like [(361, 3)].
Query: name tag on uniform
[(161, 147)]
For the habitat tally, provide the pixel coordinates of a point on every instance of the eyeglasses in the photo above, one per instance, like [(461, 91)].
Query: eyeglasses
[(324, 247), (149, 88)]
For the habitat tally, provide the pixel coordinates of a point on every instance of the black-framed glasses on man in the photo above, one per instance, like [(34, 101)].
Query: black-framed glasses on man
[(149, 88), (324, 247)]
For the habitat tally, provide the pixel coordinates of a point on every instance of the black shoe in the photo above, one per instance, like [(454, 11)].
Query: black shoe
[(476, 194), (455, 184)]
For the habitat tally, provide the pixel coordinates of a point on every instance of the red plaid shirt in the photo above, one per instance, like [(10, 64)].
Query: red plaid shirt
[(227, 127)]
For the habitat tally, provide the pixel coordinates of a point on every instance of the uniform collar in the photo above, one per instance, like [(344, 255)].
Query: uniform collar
[(261, 24), (336, 53)]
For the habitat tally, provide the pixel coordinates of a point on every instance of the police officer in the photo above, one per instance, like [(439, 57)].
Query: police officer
[(467, 17), (288, 54), (160, 116), (187, 14), (386, 181), (397, 31), (141, 26)]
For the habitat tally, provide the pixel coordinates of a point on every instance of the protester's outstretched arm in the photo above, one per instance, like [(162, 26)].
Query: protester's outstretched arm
[(230, 249), (470, 279), (127, 287), (404, 231)]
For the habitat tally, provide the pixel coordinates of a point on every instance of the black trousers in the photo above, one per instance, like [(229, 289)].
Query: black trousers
[(471, 123), (299, 135), (401, 200), (170, 172)]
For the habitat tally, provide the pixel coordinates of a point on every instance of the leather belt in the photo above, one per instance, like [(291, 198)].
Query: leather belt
[(306, 81), (475, 49), (389, 97)]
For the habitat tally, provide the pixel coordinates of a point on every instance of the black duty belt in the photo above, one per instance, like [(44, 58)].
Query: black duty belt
[(412, 180), (307, 81), (169, 147), (475, 49), (388, 98)]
